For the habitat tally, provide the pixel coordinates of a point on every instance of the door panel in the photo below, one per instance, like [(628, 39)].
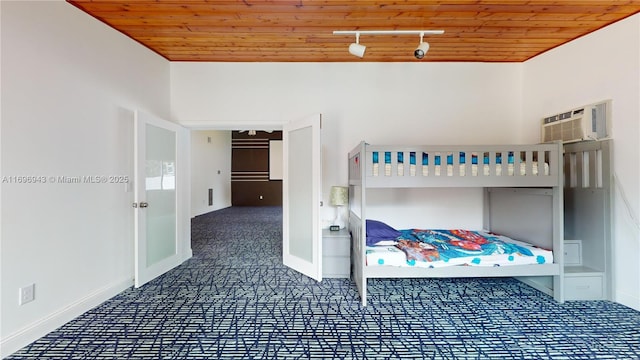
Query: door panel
[(157, 219), (160, 183), (302, 242)]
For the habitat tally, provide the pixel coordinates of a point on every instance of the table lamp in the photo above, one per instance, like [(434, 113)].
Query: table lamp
[(339, 197)]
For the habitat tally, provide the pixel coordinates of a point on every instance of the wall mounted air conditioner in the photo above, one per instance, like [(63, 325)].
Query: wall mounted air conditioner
[(588, 122)]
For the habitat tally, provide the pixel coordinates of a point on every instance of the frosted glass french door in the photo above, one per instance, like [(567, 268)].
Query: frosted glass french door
[(157, 247), (301, 188)]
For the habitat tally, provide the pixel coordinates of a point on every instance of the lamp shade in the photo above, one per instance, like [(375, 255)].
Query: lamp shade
[(339, 195)]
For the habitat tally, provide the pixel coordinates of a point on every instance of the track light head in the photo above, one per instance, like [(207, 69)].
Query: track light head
[(356, 49), (421, 50)]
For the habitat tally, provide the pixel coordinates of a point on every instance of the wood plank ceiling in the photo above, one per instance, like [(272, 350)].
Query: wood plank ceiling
[(302, 30)]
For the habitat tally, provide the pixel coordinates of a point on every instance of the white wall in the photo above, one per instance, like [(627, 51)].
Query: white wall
[(602, 65), (393, 103), (210, 169), (69, 85)]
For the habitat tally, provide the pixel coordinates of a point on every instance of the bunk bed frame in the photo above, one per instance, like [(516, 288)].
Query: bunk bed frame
[(540, 222)]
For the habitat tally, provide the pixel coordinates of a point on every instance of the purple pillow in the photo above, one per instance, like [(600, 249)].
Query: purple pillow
[(378, 231)]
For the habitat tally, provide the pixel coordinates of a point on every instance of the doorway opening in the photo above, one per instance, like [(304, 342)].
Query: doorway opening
[(235, 168)]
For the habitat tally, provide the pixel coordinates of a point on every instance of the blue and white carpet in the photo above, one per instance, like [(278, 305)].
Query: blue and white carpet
[(235, 300)]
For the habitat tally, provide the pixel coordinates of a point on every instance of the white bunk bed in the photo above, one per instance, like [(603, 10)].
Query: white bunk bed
[(523, 199)]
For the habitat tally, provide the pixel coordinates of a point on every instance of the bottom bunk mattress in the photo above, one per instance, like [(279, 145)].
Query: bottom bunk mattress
[(440, 248)]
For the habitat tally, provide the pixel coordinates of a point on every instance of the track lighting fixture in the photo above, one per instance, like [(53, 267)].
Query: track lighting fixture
[(254, 132), (358, 50), (422, 49)]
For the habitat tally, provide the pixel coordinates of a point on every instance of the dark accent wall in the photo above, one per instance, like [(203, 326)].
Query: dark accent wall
[(250, 184)]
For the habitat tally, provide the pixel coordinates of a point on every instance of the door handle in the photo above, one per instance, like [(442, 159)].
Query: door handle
[(144, 204)]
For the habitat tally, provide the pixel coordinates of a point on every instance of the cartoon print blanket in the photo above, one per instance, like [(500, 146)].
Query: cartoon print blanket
[(437, 248)]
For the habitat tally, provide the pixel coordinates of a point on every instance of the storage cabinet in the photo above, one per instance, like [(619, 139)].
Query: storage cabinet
[(336, 255)]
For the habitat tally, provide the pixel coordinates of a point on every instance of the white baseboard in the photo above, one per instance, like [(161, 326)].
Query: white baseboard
[(627, 300), (188, 254), (42, 327)]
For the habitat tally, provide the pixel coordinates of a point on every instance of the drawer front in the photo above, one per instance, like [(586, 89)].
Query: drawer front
[(336, 266), (583, 288), (335, 246)]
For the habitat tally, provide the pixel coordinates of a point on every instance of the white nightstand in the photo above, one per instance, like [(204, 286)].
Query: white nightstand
[(336, 254)]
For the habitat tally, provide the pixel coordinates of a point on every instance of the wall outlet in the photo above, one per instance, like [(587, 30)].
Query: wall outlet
[(27, 294)]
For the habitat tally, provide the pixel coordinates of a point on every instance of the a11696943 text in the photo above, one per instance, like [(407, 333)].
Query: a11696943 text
[(63, 179)]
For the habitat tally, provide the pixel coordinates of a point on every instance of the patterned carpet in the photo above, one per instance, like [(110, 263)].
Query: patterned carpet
[(235, 300)]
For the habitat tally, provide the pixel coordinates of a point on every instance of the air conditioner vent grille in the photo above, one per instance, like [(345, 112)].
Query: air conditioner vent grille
[(565, 115), (567, 131), (584, 123)]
